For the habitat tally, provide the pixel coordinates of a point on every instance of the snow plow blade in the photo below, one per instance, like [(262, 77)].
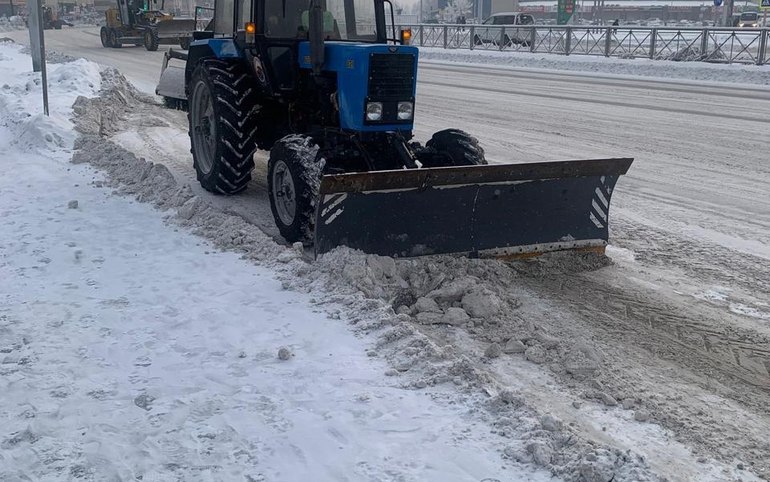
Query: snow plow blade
[(175, 28), (171, 83), (504, 210)]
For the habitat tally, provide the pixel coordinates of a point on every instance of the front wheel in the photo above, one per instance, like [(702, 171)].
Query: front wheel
[(453, 147), (477, 40), (184, 43), (104, 36), (294, 178)]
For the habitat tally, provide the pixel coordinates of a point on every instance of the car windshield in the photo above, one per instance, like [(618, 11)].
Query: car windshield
[(749, 16), (342, 19)]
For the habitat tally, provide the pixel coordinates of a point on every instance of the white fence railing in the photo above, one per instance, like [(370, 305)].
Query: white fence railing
[(724, 45)]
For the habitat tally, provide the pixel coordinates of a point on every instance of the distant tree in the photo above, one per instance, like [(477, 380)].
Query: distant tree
[(456, 9)]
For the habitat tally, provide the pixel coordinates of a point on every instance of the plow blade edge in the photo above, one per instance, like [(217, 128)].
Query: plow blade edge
[(487, 211)]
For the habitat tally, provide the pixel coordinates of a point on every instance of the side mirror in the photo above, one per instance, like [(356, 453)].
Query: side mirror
[(316, 35)]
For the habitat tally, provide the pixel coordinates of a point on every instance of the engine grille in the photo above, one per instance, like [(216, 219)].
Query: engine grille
[(391, 77)]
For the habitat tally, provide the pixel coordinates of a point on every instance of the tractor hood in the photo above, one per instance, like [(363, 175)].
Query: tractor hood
[(370, 73)]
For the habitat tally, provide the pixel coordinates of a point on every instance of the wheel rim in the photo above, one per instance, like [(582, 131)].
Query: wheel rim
[(284, 193), (204, 129)]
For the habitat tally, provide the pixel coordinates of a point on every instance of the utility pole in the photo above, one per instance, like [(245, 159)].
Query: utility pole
[(37, 45)]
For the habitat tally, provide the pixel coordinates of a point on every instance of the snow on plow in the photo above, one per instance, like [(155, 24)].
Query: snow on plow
[(504, 210)]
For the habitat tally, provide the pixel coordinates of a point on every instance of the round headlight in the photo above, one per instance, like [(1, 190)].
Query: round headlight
[(405, 110), (374, 111)]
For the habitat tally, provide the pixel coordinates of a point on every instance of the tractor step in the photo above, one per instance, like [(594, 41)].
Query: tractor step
[(497, 210)]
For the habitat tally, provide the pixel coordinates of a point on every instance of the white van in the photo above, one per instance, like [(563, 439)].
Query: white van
[(509, 20)]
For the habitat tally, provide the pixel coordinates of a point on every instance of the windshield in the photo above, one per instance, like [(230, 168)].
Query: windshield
[(527, 20), (342, 19), (749, 16)]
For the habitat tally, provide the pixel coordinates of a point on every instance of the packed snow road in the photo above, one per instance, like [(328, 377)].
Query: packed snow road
[(675, 328)]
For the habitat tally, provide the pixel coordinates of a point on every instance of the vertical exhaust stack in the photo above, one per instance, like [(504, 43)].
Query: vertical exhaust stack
[(499, 210), (316, 36)]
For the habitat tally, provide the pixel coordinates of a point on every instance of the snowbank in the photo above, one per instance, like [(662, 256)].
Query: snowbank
[(733, 73), (21, 101)]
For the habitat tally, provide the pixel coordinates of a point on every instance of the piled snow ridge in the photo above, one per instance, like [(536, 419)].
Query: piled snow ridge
[(38, 132), (412, 307), (671, 67), (8, 24)]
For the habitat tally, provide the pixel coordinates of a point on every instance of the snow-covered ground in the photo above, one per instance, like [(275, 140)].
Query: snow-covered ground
[(651, 363), (130, 349)]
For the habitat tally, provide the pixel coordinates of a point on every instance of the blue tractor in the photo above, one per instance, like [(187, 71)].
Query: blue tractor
[(329, 89)]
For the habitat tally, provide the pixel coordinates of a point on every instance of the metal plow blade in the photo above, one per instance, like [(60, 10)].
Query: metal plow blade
[(175, 28), (485, 211), (172, 82)]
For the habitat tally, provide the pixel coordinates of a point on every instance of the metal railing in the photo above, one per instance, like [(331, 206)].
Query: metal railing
[(722, 45)]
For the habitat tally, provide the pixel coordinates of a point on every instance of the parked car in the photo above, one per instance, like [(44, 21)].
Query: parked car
[(509, 20), (748, 20)]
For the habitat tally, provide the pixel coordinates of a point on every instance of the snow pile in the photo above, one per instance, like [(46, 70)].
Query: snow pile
[(735, 73), (15, 22), (38, 132)]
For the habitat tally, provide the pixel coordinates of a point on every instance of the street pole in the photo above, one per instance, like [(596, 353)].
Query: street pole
[(37, 46), (419, 19)]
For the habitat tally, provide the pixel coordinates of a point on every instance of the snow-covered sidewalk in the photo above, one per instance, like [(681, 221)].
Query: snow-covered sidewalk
[(132, 349)]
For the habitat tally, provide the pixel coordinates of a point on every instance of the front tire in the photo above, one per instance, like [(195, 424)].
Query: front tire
[(453, 147), (477, 40), (184, 43), (104, 36), (294, 179), (151, 40), (223, 125)]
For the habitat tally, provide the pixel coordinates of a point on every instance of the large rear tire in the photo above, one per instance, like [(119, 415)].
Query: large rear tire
[(104, 36), (222, 114), (294, 179), (151, 40), (453, 147)]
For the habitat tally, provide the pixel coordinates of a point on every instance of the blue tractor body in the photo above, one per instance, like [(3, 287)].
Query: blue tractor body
[(357, 84)]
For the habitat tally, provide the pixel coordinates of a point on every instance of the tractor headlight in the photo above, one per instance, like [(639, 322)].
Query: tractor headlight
[(373, 111), (405, 110)]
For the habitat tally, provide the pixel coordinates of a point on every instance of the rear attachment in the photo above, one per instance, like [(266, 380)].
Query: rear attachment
[(171, 85), (499, 210)]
